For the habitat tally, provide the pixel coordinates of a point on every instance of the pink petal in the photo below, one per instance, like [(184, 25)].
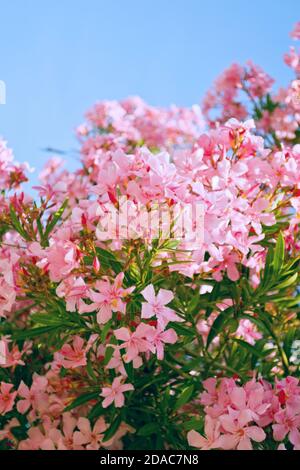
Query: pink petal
[(238, 397), (279, 431), (255, 433), (147, 310), (226, 442), (84, 425), (122, 334), (149, 293), (233, 272), (165, 296), (119, 400), (244, 444), (104, 314), (107, 401), (195, 439)]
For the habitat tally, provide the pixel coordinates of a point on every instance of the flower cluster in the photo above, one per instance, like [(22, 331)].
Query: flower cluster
[(142, 340), (237, 416)]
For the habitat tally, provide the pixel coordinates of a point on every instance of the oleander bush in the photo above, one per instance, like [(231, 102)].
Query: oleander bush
[(139, 335)]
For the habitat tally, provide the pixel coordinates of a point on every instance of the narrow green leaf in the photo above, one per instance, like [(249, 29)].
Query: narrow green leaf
[(81, 400), (108, 260), (54, 219), (278, 255), (34, 332), (16, 223), (148, 429), (288, 282), (184, 397), (219, 324), (251, 349), (111, 431), (96, 411)]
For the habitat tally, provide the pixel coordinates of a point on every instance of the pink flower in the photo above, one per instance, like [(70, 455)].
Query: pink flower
[(43, 437), (7, 297), (156, 306), (88, 436), (237, 433), (295, 34), (5, 432), (158, 338), (10, 357), (7, 398), (114, 393), (286, 422), (228, 264), (211, 432), (74, 356), (63, 256), (134, 343), (66, 437), (34, 396), (248, 331), (73, 290), (108, 299)]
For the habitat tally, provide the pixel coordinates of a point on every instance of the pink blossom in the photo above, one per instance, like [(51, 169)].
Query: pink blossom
[(108, 299), (156, 305), (158, 338), (74, 356), (115, 393), (238, 434), (134, 343), (88, 436), (73, 290), (287, 423), (212, 433), (34, 396), (7, 398), (295, 34), (7, 298), (63, 257), (248, 331)]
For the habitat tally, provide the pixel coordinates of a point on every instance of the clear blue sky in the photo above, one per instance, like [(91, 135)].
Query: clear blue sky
[(58, 57)]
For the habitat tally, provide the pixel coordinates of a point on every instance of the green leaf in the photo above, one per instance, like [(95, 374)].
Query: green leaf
[(111, 431), (82, 399), (213, 296), (251, 349), (96, 411), (182, 330), (108, 260), (219, 324), (184, 397), (287, 282), (193, 424), (40, 229), (52, 221), (148, 429), (34, 332), (268, 271), (16, 223), (129, 370), (288, 341), (278, 255), (105, 331), (108, 355)]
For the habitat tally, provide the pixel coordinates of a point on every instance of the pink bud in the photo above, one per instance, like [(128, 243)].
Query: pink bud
[(96, 264)]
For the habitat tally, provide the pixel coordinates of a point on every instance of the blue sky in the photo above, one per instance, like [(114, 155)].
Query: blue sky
[(57, 58)]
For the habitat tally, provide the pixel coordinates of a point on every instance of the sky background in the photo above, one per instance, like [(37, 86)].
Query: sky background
[(58, 57)]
